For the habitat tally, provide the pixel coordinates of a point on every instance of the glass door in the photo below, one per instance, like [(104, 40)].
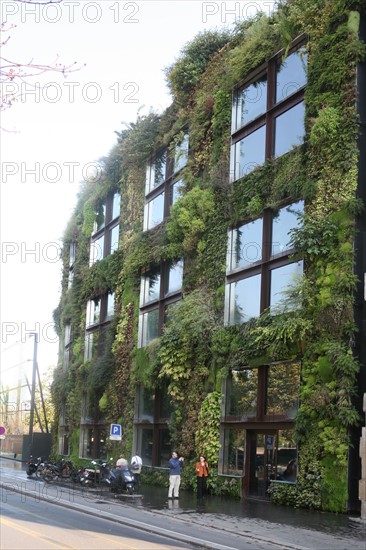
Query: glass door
[(263, 462)]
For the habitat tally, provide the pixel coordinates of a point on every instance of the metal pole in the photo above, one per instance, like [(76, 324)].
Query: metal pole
[(33, 393)]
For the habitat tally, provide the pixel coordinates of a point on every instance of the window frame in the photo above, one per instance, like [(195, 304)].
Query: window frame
[(273, 109), (263, 267), (104, 233), (171, 177), (162, 301)]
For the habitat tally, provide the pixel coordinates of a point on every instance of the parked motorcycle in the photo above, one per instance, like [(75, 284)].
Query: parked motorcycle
[(33, 465), (96, 474), (63, 469), (123, 480)]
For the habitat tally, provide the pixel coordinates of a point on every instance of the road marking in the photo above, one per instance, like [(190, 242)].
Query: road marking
[(35, 534)]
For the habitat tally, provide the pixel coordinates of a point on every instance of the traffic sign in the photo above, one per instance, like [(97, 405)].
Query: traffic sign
[(116, 432), (2, 430)]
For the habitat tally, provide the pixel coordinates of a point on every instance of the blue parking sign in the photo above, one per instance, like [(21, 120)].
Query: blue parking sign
[(116, 432)]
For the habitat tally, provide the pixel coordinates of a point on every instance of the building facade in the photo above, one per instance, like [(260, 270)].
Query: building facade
[(213, 289)]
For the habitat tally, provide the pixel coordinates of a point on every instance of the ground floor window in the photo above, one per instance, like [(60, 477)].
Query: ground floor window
[(93, 442), (153, 445), (63, 442), (233, 452)]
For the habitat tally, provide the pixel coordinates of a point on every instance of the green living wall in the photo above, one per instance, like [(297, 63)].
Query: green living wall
[(196, 351)]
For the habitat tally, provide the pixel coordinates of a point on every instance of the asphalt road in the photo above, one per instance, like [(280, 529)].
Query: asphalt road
[(264, 527)]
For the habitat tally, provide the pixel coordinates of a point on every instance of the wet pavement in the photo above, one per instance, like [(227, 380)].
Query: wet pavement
[(257, 520)]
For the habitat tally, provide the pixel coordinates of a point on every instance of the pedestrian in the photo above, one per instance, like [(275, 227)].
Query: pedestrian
[(122, 463), (201, 474), (175, 467), (136, 466)]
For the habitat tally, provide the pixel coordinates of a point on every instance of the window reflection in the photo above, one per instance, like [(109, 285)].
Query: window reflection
[(243, 300), (241, 394), (283, 382), (245, 244), (283, 221), (150, 287), (96, 250), (250, 152), (289, 129), (251, 102), (181, 154), (114, 235), (283, 279), (176, 190), (148, 327), (233, 452), (175, 277), (156, 173), (291, 74), (116, 205), (154, 212)]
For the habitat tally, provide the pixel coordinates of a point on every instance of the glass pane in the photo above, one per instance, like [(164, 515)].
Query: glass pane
[(250, 152), (72, 253), (181, 154), (291, 74), (146, 446), (116, 206), (175, 277), (283, 280), (286, 456), (283, 383), (176, 191), (241, 398), (154, 212), (149, 326), (156, 173), (289, 129), (147, 397), (233, 456), (165, 447), (150, 287), (244, 300), (99, 217), (114, 238), (245, 245), (166, 407), (283, 221), (96, 250), (251, 102), (110, 305)]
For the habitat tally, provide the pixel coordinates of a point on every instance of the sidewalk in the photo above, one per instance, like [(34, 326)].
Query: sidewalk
[(254, 520)]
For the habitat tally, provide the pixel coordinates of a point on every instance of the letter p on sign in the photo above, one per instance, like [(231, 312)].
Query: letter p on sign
[(116, 432)]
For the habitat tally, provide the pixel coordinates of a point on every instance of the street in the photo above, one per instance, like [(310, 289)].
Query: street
[(216, 525)]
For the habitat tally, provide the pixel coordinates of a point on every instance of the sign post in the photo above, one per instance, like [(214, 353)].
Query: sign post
[(115, 432)]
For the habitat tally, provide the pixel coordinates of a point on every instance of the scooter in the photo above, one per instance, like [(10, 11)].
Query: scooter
[(94, 475), (33, 465), (123, 480)]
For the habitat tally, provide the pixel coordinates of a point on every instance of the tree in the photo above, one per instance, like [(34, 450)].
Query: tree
[(13, 73)]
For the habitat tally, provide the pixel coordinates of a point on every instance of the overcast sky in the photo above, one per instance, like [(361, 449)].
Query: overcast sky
[(55, 133)]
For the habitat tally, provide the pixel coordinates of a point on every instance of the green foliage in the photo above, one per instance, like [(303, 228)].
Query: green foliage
[(208, 428), (183, 75)]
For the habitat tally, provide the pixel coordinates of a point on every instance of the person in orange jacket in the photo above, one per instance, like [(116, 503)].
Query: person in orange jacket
[(201, 474)]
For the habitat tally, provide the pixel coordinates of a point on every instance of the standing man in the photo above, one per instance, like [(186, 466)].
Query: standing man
[(175, 467)]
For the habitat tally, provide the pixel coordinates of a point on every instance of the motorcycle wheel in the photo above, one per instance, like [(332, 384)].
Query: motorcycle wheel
[(40, 471)]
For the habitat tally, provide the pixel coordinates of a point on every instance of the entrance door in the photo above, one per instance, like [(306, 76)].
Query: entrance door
[(262, 462)]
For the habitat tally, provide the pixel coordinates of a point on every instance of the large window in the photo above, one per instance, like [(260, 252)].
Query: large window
[(268, 112), (105, 237), (164, 183), (160, 287), (99, 312), (151, 436), (260, 273)]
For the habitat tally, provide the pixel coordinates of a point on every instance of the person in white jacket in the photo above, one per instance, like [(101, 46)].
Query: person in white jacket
[(136, 466)]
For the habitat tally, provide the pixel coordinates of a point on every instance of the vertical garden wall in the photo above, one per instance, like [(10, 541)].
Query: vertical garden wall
[(196, 351)]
